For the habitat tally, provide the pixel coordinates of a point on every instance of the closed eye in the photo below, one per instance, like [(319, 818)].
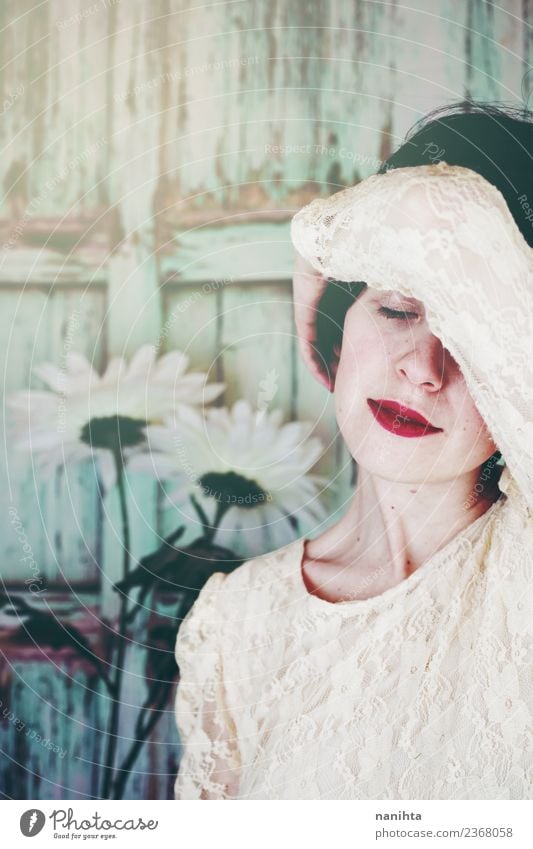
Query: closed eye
[(402, 315)]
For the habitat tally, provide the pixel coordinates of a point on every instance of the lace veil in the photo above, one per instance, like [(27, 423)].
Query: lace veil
[(444, 235)]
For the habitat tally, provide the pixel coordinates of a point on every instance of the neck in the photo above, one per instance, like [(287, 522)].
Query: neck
[(407, 523), (391, 529)]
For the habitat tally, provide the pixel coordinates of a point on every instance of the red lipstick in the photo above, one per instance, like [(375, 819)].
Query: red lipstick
[(401, 420)]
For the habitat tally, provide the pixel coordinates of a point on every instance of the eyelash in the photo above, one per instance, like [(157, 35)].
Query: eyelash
[(401, 315)]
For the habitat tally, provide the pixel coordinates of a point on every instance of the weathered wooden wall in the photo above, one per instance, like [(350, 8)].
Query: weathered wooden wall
[(148, 150)]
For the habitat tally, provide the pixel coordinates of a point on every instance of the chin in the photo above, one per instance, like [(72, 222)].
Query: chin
[(405, 475), (409, 461)]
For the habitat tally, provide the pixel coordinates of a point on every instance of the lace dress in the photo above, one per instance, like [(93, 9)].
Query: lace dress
[(425, 691)]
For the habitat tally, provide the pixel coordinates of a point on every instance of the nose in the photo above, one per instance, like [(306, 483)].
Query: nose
[(424, 365)]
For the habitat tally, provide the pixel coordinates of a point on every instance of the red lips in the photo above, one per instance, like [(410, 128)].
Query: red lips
[(401, 420)]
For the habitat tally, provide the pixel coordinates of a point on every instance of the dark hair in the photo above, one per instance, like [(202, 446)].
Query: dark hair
[(495, 141)]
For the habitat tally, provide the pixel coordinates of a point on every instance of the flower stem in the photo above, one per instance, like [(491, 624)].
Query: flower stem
[(112, 728), (201, 513), (209, 530), (222, 508), (146, 722)]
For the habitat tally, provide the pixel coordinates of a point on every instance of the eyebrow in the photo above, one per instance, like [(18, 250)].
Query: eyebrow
[(377, 295)]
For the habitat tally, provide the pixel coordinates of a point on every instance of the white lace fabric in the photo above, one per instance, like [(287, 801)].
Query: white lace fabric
[(444, 235), (425, 691)]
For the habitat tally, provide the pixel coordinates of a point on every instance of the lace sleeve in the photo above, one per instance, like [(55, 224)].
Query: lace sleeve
[(444, 235), (210, 760)]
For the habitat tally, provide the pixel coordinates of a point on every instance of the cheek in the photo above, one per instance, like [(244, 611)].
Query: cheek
[(362, 346), (363, 362), (361, 367), (470, 428)]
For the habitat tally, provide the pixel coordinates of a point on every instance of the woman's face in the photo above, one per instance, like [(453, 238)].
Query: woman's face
[(390, 355)]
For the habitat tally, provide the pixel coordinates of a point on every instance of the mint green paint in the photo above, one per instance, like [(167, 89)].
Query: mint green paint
[(144, 140)]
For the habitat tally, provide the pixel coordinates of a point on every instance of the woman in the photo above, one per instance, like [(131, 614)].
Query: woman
[(391, 657)]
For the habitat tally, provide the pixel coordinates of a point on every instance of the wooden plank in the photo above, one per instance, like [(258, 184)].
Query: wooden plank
[(256, 339), (58, 698), (483, 67), (56, 732), (58, 518), (141, 498), (190, 322), (55, 130), (507, 56), (228, 116), (134, 170), (134, 307), (47, 269), (238, 250), (192, 325), (255, 346)]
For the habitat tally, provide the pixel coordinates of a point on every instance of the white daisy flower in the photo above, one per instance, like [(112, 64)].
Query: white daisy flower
[(239, 470), (86, 415)]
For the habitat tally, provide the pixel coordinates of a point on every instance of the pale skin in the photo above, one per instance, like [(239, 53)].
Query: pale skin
[(412, 496)]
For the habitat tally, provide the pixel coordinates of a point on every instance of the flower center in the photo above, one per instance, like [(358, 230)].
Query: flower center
[(113, 432), (231, 487)]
